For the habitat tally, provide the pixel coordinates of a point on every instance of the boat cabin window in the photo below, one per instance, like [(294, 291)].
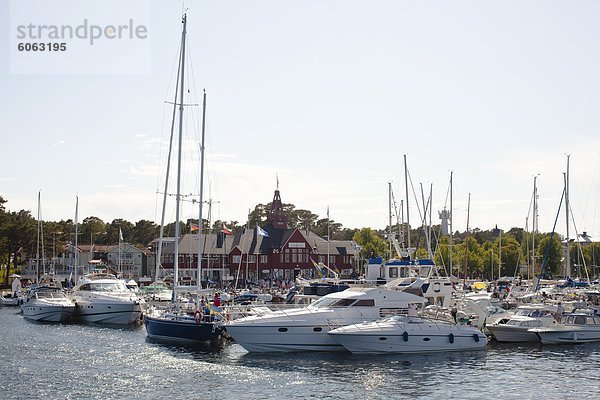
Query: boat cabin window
[(393, 272), (579, 320), (343, 303), (536, 314), (364, 303), (591, 321), (85, 287), (325, 302)]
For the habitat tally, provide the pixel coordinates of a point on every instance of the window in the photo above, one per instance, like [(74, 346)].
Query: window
[(264, 259), (236, 259), (393, 271), (364, 303)]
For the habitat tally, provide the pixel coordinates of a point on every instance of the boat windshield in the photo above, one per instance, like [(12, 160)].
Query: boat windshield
[(326, 302), (534, 313), (49, 295), (104, 286)]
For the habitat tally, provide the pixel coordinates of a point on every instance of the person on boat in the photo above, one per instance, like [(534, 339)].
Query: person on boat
[(217, 300), (559, 312)]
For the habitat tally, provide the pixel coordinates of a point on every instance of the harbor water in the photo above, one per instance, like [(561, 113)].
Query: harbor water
[(75, 361)]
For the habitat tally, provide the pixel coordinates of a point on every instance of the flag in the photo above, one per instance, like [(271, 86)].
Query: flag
[(193, 227), (120, 234), (261, 232), (226, 230)]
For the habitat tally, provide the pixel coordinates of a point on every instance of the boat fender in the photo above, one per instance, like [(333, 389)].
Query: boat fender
[(451, 337), (476, 337), (198, 316), (405, 336)]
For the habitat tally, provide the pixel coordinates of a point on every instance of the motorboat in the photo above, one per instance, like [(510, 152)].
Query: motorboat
[(480, 309), (580, 326), (305, 328), (408, 334), (526, 317), (9, 300), (102, 298), (47, 303)]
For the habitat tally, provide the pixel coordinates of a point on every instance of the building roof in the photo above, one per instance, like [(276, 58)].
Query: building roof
[(249, 242)]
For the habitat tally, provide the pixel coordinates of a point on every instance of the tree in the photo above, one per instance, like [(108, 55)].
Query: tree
[(302, 219), (551, 254), (116, 227), (19, 231), (511, 254), (90, 230), (371, 244), (144, 232), (233, 226)]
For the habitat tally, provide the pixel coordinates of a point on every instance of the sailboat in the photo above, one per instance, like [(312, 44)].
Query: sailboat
[(45, 302), (175, 324)]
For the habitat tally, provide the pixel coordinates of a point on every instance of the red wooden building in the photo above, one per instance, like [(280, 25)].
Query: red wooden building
[(273, 251)]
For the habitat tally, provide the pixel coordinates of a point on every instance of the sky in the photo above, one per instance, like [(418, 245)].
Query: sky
[(320, 97)]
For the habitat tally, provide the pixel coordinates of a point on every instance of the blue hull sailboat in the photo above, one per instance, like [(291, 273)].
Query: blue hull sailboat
[(181, 328), (177, 324)]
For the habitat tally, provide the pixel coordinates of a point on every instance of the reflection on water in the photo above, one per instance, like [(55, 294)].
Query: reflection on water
[(41, 360)]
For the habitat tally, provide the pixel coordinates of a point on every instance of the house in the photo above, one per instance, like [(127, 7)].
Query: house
[(273, 251)]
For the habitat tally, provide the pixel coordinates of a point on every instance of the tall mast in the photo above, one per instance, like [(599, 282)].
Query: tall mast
[(76, 258), (567, 256), (178, 194), (407, 210), (466, 239), (451, 223), (200, 242), (430, 222), (534, 225), (39, 227), (390, 217)]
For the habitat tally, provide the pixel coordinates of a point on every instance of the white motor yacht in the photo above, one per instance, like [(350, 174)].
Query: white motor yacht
[(526, 317), (102, 298), (408, 334), (47, 303), (576, 327), (305, 329)]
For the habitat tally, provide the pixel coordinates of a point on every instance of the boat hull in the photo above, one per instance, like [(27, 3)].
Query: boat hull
[(572, 336), (409, 337), (279, 338), (181, 330), (9, 301), (511, 334), (108, 312), (48, 313)]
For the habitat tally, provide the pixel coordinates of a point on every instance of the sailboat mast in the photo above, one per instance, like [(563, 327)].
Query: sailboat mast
[(467, 240), (451, 223), (37, 256), (200, 242), (407, 210), (567, 255), (390, 217), (75, 250), (534, 225), (178, 194)]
